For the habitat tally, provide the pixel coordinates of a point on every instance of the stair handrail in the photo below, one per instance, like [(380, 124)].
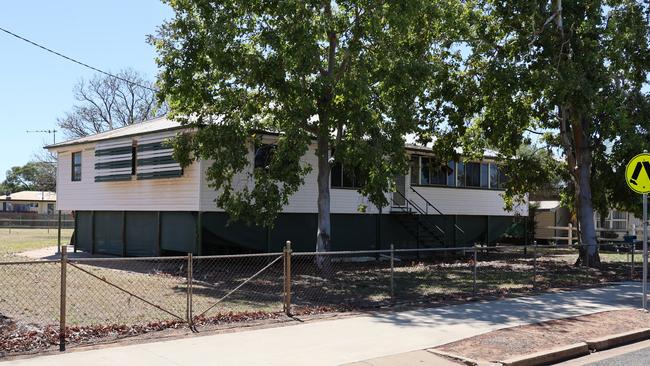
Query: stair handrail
[(411, 203), (427, 201)]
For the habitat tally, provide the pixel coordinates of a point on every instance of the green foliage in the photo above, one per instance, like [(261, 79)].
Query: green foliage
[(352, 77), (33, 176), (531, 169), (574, 76)]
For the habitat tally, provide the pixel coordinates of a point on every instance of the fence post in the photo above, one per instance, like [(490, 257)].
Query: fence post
[(534, 264), (570, 234), (474, 270), (58, 234), (392, 273), (632, 247), (190, 277), (62, 305), (287, 278)]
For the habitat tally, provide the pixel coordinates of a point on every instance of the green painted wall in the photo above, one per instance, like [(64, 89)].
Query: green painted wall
[(141, 233), (108, 232), (178, 232)]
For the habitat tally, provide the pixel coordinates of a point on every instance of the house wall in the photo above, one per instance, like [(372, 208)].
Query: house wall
[(465, 201), (449, 200), (37, 207), (343, 201), (170, 194)]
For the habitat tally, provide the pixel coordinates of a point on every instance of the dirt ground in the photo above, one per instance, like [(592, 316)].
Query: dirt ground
[(526, 339)]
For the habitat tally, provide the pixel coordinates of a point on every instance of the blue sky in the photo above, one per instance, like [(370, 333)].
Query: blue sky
[(36, 87)]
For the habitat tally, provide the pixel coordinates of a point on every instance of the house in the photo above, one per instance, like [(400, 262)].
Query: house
[(550, 214), (551, 218), (131, 198), (38, 202)]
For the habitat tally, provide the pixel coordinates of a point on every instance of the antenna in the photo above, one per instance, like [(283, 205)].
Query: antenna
[(53, 132)]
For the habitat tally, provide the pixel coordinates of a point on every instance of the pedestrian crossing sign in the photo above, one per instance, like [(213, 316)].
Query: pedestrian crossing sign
[(637, 173)]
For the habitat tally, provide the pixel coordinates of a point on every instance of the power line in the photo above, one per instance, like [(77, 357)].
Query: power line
[(76, 61)]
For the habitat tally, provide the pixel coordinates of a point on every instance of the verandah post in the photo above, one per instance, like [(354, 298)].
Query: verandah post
[(287, 278), (62, 304)]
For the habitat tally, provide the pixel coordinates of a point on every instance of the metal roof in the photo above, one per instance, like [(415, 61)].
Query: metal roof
[(547, 205), (139, 128), (30, 196)]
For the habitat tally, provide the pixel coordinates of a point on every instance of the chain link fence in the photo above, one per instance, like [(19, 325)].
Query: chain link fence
[(95, 298)]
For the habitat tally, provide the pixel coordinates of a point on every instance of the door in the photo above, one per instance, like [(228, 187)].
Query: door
[(400, 191)]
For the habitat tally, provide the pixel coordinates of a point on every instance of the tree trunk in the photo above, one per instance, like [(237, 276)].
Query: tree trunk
[(323, 243), (589, 250), (582, 179)]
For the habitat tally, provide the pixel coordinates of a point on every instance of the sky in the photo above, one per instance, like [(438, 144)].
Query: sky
[(36, 86)]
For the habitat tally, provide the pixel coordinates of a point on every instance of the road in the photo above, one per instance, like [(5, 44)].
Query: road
[(637, 354), (353, 339)]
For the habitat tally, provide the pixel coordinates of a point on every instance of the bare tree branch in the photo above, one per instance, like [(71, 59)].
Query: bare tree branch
[(104, 103)]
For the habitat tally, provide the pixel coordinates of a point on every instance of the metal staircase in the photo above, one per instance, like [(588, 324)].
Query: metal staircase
[(416, 219)]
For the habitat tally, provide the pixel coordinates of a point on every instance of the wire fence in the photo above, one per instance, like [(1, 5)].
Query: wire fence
[(46, 222), (77, 300)]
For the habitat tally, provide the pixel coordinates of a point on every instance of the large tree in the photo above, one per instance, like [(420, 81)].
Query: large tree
[(105, 102), (33, 176), (569, 74), (349, 76)]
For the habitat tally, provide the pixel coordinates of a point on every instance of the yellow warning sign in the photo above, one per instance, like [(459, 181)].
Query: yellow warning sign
[(637, 173)]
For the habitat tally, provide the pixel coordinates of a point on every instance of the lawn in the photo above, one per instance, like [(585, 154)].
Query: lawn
[(19, 240)]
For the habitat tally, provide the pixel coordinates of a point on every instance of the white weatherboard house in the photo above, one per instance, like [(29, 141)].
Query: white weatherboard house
[(131, 198)]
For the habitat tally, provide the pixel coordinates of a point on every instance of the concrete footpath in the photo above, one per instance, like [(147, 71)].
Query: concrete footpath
[(353, 339)]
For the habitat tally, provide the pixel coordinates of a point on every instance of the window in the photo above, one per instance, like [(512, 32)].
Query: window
[(343, 177), (494, 176), (502, 179), (451, 174), (415, 169), (473, 174), (427, 171), (263, 155), (76, 166), (460, 174), (437, 173)]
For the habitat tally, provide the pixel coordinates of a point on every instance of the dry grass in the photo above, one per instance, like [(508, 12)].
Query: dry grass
[(95, 291), (14, 241), (29, 293)]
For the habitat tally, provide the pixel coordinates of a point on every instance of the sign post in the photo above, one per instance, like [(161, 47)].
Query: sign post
[(645, 251), (640, 183)]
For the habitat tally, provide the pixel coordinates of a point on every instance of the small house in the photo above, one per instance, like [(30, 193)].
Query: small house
[(38, 202)]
